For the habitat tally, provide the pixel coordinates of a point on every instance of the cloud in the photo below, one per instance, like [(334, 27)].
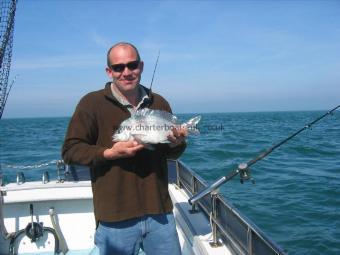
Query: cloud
[(100, 40)]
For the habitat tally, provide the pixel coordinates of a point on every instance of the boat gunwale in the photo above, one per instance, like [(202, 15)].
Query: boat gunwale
[(228, 205)]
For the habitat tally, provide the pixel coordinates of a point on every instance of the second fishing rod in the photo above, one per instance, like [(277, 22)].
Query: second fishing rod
[(243, 168)]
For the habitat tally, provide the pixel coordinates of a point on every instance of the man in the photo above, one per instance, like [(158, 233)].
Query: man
[(132, 205)]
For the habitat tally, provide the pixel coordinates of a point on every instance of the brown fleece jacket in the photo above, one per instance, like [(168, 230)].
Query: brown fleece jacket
[(123, 188)]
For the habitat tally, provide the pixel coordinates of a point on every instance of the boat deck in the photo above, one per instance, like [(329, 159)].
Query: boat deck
[(66, 206)]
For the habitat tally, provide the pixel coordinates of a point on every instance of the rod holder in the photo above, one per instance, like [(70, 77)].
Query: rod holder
[(45, 177), (212, 187), (61, 171), (20, 178)]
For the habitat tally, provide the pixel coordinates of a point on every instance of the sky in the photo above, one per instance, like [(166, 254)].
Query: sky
[(215, 56)]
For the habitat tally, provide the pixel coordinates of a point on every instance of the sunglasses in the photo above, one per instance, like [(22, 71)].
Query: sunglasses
[(133, 65)]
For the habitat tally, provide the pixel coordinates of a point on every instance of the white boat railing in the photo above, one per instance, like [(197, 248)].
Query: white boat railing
[(228, 224)]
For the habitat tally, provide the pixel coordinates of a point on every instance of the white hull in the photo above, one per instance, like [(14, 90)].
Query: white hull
[(72, 204)]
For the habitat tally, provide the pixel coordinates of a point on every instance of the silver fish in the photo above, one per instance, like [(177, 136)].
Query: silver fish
[(152, 126)]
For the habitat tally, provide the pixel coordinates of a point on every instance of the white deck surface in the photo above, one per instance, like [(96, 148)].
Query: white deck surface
[(72, 202)]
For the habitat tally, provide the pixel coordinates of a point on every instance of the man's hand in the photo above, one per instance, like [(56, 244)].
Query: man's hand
[(123, 150), (177, 136)]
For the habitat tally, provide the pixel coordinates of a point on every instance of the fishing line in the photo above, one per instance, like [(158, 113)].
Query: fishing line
[(243, 168)]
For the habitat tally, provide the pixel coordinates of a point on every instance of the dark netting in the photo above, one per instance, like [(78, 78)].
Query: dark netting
[(7, 13)]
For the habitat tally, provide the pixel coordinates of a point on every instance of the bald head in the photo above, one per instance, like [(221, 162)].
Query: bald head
[(121, 45)]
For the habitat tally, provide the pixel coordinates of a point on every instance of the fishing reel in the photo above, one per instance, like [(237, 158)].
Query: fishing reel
[(244, 172), (33, 230)]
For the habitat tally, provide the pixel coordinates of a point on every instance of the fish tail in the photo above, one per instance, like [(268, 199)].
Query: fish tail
[(192, 125)]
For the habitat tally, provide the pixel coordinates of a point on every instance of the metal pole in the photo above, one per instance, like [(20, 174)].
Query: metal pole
[(212, 187), (215, 243), (177, 175), (194, 191)]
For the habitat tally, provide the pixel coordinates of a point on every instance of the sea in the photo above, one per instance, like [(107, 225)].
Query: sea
[(295, 200)]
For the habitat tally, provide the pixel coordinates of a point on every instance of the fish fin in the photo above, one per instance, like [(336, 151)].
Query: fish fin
[(146, 112), (138, 138)]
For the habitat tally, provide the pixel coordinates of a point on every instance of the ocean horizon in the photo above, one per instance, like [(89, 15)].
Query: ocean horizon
[(181, 113)]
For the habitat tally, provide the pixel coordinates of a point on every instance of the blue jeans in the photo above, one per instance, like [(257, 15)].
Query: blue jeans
[(155, 234)]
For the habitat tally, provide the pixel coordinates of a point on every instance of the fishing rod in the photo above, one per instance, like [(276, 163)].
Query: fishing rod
[(243, 168), (154, 71)]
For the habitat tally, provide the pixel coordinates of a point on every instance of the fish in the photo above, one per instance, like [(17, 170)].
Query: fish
[(149, 126)]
